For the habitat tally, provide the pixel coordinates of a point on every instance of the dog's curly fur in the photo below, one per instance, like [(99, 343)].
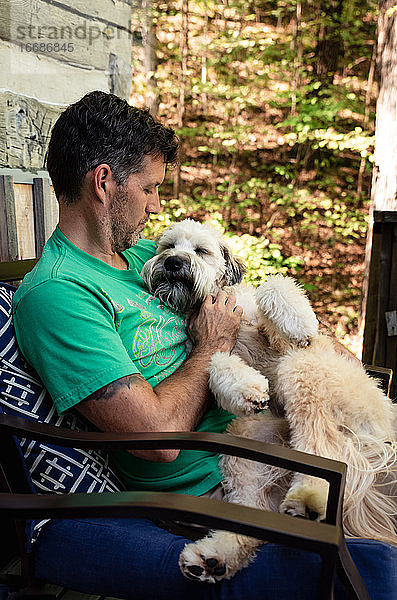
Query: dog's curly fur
[(320, 401)]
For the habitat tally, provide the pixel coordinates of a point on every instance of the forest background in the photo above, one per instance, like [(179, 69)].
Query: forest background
[(274, 102)]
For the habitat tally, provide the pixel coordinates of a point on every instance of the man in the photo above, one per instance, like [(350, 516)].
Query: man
[(107, 349), (101, 344)]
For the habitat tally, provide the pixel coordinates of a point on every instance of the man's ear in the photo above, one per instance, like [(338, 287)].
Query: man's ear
[(103, 182), (235, 269)]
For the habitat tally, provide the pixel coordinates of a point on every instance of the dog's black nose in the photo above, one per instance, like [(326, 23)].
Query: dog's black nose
[(173, 264)]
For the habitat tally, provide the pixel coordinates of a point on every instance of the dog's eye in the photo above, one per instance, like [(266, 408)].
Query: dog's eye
[(201, 251), (168, 246)]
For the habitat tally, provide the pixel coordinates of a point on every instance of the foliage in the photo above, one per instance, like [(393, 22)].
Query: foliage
[(262, 257), (271, 152), (311, 123)]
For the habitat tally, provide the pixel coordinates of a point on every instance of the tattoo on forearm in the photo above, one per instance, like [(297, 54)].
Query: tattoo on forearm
[(108, 391)]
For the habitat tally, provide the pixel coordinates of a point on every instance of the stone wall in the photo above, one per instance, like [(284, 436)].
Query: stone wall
[(52, 52)]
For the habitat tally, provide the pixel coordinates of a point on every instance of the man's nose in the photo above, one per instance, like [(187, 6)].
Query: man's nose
[(154, 205)]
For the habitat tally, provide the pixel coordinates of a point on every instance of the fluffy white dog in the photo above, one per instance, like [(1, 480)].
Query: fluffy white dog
[(330, 407)]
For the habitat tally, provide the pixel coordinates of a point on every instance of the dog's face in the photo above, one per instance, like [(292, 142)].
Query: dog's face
[(192, 261)]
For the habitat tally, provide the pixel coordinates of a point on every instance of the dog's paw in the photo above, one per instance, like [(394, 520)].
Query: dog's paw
[(285, 304), (306, 502), (199, 564), (238, 388), (253, 399)]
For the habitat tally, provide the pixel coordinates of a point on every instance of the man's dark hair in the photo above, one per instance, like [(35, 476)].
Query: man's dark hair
[(103, 128)]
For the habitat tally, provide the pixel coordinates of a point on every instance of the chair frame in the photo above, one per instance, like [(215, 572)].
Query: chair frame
[(326, 539)]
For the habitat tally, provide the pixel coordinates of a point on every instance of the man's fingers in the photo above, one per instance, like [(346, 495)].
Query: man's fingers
[(218, 322), (208, 300), (231, 302), (238, 310), (222, 297)]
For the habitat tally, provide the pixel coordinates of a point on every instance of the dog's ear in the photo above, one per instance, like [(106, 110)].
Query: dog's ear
[(235, 269), (160, 235)]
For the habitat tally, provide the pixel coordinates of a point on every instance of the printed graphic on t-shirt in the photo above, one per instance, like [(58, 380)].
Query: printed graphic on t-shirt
[(157, 337)]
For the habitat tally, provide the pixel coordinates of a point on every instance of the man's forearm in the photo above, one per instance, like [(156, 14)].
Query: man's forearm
[(185, 394), (130, 404)]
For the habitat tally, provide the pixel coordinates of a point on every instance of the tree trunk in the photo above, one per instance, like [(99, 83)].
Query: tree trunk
[(368, 95), (150, 58), (183, 46), (384, 178), (204, 58), (296, 48), (329, 44)]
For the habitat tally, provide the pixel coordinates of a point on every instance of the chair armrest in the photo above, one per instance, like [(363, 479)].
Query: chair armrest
[(383, 375), (286, 458), (214, 514), (16, 269)]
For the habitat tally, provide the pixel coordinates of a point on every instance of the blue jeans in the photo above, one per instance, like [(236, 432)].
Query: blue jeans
[(135, 559)]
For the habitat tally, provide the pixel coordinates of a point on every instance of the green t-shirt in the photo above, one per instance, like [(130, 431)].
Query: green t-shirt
[(83, 324)]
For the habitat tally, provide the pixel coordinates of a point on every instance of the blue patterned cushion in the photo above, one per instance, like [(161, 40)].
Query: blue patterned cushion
[(51, 468)]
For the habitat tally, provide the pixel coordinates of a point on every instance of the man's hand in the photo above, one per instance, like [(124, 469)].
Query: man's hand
[(216, 325)]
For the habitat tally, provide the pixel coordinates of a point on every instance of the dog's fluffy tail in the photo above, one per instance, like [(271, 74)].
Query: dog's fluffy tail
[(370, 504)]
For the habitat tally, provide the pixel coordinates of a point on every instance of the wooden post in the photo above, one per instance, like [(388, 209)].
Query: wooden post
[(8, 224), (380, 333), (42, 212)]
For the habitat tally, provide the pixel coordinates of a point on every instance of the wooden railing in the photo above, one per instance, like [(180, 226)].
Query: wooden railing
[(28, 216)]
